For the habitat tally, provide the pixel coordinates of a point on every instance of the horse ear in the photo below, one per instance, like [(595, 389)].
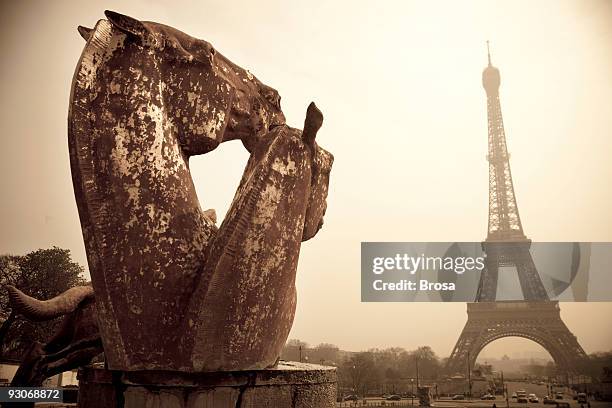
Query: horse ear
[(85, 32), (127, 24), (312, 124)]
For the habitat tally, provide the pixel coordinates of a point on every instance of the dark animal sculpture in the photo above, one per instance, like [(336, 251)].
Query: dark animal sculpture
[(172, 290), (75, 344)]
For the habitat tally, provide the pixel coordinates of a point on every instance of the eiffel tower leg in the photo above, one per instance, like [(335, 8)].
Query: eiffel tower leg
[(487, 288), (457, 362), (531, 284)]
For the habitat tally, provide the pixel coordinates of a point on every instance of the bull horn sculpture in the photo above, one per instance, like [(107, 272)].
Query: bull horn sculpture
[(40, 310)]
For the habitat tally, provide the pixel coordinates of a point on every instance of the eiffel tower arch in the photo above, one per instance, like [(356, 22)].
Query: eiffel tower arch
[(537, 321), (536, 317)]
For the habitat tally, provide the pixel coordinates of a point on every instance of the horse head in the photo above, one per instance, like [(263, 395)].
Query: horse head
[(209, 99)]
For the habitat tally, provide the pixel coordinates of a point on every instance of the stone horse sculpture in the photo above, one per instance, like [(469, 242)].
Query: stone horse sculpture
[(172, 290)]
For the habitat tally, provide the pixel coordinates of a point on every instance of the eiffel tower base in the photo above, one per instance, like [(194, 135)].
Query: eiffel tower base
[(537, 321)]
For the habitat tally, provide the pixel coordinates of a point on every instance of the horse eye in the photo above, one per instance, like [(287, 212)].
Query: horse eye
[(273, 97)]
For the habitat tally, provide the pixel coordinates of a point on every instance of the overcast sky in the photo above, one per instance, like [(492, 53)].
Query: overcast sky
[(405, 117)]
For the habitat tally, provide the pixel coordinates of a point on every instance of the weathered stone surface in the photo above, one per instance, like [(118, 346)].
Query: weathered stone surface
[(289, 385), (313, 397), (173, 290), (96, 388), (211, 398)]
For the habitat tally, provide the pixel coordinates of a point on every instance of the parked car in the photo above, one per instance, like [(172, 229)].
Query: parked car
[(487, 397), (581, 397), (522, 399), (393, 398), (459, 397), (563, 404), (533, 398), (548, 400), (514, 395), (351, 397), (559, 395)]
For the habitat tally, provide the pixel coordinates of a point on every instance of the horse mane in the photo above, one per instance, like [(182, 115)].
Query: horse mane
[(141, 219)]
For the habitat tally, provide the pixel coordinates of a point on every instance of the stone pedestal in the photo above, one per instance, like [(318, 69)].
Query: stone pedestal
[(290, 385)]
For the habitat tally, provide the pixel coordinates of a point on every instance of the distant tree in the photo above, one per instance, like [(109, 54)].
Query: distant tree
[(360, 373), (324, 353), (535, 369), (297, 343), (42, 274), (596, 364), (551, 369), (484, 368), (428, 361), (9, 275), (295, 349)]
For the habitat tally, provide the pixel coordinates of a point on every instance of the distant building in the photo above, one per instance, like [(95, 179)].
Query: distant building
[(8, 368)]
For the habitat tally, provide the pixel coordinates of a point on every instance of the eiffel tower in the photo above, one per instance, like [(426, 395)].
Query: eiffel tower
[(506, 244), (536, 317)]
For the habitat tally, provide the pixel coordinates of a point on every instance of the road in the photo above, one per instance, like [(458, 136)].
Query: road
[(500, 403), (513, 386)]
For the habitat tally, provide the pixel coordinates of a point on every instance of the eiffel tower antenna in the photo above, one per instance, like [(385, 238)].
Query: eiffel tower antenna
[(488, 53)]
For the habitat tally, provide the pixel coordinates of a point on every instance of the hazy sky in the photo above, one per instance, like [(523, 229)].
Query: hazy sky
[(405, 117)]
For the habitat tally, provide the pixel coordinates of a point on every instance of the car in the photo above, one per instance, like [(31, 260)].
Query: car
[(351, 397), (458, 397), (487, 397), (581, 397), (548, 400), (533, 398), (393, 398), (563, 404), (514, 395), (522, 399), (559, 395)]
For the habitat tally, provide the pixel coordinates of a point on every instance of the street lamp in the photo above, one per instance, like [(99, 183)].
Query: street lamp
[(354, 379), (469, 373), (505, 390), (416, 360)]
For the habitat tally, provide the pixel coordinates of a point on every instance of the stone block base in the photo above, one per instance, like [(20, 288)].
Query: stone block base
[(290, 385)]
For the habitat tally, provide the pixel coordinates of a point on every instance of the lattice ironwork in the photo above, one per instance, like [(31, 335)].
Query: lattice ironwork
[(537, 321), (506, 244), (536, 318)]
